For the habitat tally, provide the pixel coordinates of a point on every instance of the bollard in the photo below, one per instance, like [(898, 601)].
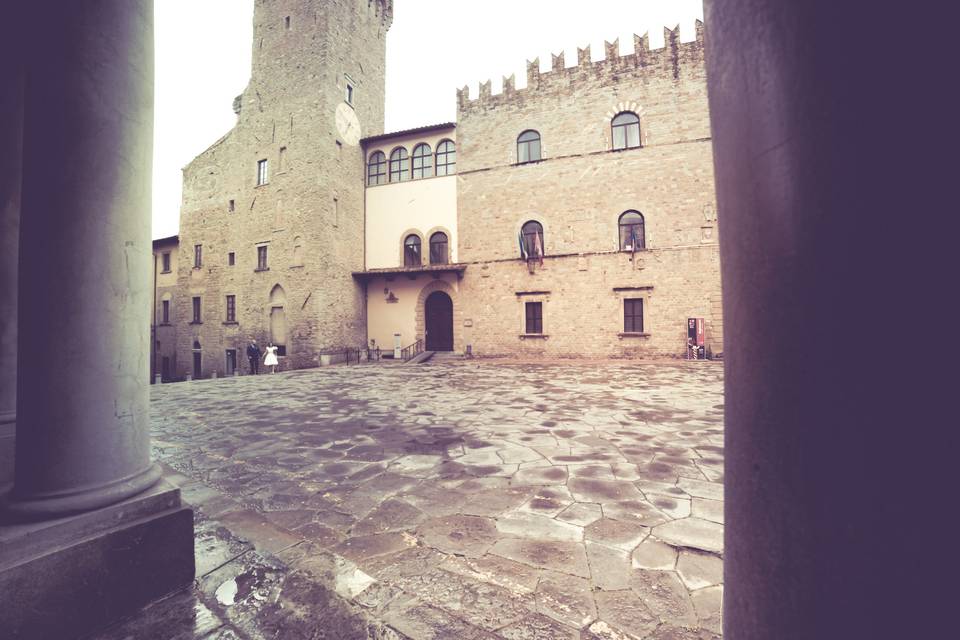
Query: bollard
[(157, 379), (189, 377), (213, 376)]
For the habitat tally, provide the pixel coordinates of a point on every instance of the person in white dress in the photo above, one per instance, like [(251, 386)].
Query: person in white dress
[(271, 358)]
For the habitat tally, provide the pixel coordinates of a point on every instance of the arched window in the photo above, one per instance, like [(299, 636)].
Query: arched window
[(399, 165), (438, 248), (411, 251), (422, 161), (446, 158), (531, 240), (528, 147), (377, 169), (626, 130), (631, 231)]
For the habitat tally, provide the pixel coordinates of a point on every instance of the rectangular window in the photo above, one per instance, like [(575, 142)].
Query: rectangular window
[(262, 172), (286, 23), (231, 259), (336, 212), (281, 161), (231, 308), (262, 258), (534, 317), (633, 315), (166, 262), (349, 93), (166, 311), (196, 310), (339, 150), (232, 206), (197, 256)]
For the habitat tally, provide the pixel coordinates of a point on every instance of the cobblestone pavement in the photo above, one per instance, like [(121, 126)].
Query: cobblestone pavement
[(477, 499)]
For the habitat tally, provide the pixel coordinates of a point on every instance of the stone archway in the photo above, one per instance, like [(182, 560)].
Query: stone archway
[(420, 321)]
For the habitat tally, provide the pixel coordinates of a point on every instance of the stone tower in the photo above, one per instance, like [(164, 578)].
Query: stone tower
[(271, 224)]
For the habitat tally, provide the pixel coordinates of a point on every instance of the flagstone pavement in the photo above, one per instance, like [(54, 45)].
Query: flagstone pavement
[(468, 499)]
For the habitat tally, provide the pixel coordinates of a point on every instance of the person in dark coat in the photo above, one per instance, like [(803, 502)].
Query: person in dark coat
[(253, 355)]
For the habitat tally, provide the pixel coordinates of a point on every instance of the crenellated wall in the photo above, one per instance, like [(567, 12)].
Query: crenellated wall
[(577, 191)]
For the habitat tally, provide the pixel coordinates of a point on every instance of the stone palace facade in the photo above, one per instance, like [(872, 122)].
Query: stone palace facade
[(573, 217)]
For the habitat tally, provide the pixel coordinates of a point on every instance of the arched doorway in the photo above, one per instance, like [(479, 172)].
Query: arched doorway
[(438, 317)]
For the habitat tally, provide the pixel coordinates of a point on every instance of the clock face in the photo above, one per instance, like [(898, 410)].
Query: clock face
[(347, 124)]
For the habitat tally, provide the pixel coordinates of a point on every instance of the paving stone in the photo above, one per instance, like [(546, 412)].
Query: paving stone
[(568, 557), (609, 568), (622, 613), (698, 570), (515, 455), (493, 502), (636, 511), (653, 554), (362, 547), (530, 525), (692, 532), (421, 621), (597, 472), (548, 501), (602, 491), (705, 509), (510, 575), (673, 506), (616, 533), (460, 534), (708, 603), (548, 475), (702, 489), (625, 471), (538, 627), (255, 528), (581, 513), (668, 632), (566, 599), (665, 596), (392, 515)]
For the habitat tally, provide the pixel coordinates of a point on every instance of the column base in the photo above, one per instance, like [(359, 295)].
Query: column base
[(46, 507), (68, 577), (8, 439)]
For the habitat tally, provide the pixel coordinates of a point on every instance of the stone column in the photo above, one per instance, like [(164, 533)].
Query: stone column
[(835, 178), (85, 253), (11, 121)]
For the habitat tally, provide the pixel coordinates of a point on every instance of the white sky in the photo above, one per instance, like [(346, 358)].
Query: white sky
[(203, 62)]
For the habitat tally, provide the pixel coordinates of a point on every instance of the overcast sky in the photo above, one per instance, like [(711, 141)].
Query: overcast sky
[(203, 62)]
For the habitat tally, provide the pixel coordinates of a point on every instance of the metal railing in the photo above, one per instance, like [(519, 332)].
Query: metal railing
[(346, 356), (411, 351)]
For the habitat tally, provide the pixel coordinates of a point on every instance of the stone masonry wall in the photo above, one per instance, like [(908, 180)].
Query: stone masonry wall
[(577, 192), (309, 215)]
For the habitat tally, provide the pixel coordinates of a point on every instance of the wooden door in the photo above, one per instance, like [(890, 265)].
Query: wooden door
[(438, 313)]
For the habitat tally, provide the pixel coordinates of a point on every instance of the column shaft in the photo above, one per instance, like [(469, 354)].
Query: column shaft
[(833, 194), (85, 252)]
